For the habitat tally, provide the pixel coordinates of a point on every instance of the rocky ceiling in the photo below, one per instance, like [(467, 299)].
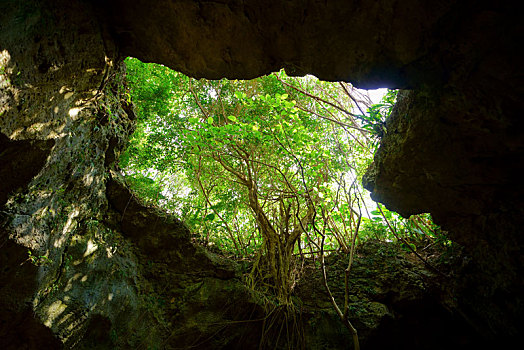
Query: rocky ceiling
[(454, 144), (372, 44)]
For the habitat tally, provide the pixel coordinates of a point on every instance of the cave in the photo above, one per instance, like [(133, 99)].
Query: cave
[(85, 265)]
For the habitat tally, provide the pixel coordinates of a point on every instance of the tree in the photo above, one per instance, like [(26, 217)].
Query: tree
[(258, 156), (271, 166)]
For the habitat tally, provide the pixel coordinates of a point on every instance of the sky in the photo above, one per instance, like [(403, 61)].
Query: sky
[(375, 95)]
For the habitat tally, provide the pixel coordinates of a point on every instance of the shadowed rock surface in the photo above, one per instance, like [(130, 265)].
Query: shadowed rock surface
[(85, 265)]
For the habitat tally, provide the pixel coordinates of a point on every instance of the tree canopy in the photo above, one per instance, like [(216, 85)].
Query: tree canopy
[(269, 168)]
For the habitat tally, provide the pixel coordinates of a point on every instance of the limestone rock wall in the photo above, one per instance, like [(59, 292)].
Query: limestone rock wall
[(457, 151), (65, 271)]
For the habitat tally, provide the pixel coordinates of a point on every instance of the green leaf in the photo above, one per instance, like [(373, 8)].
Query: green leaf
[(240, 95), (177, 140), (406, 247)]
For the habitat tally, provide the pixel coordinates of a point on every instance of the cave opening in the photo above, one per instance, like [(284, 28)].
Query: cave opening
[(174, 111), (195, 153)]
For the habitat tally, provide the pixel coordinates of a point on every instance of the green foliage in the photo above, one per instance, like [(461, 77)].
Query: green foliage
[(377, 114), (269, 167), (38, 260), (145, 187)]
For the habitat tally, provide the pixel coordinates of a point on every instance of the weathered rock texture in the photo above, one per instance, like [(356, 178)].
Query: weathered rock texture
[(457, 150), (84, 264), (60, 263), (369, 44)]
